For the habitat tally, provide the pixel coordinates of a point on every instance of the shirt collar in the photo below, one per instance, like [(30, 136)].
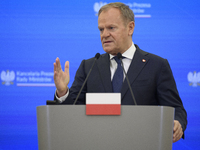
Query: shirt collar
[(128, 53)]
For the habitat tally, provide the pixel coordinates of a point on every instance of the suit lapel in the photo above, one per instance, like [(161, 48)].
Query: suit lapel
[(103, 65), (138, 63)]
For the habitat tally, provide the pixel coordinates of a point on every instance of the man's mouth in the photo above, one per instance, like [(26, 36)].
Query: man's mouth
[(105, 42)]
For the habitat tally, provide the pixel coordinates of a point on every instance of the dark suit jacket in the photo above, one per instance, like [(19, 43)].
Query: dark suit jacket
[(152, 82)]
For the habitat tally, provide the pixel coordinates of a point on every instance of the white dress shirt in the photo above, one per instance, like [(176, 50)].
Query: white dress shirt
[(128, 54)]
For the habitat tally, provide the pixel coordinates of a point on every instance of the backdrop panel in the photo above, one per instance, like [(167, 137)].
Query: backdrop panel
[(33, 33)]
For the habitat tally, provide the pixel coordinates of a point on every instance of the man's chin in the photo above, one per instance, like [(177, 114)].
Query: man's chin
[(108, 50)]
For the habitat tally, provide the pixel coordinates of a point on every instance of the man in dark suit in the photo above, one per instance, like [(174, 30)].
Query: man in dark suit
[(150, 76)]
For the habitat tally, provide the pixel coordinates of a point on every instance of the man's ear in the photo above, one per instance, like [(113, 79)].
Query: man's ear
[(131, 26)]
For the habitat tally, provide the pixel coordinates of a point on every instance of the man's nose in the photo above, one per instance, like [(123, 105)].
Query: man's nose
[(105, 33)]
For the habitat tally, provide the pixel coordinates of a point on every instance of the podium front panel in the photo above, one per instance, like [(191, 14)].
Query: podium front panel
[(67, 127)]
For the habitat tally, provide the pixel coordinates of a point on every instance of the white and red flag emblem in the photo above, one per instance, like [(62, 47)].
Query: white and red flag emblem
[(103, 103)]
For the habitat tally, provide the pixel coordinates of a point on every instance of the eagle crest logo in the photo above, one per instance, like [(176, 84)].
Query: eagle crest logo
[(194, 78), (97, 6), (7, 77)]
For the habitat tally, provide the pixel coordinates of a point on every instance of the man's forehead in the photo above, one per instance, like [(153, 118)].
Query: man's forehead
[(110, 10), (109, 16)]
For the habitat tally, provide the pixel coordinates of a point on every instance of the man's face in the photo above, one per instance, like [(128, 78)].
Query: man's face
[(115, 35)]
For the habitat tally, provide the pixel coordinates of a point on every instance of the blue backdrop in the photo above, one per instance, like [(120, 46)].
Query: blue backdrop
[(33, 33)]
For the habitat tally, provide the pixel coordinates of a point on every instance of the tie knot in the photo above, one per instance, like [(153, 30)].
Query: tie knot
[(117, 60)]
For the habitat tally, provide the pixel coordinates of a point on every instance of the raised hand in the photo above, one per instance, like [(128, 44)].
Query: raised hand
[(61, 78)]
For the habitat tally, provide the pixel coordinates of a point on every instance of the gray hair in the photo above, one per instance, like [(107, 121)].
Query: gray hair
[(126, 12)]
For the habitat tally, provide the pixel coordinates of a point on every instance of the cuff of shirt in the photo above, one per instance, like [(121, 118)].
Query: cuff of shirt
[(62, 99)]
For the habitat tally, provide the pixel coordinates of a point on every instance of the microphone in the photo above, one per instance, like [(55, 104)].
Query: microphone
[(96, 57), (119, 55)]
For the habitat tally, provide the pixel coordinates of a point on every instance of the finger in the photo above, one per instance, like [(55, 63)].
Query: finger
[(67, 67), (176, 123), (177, 136), (175, 131), (58, 66), (54, 66)]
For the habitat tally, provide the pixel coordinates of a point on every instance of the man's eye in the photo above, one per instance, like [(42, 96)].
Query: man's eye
[(111, 27)]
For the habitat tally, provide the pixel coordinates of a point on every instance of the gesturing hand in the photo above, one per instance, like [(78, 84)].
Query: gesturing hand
[(61, 78)]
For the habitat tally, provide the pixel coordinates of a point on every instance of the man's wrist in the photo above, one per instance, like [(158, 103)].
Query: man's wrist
[(60, 94), (63, 98)]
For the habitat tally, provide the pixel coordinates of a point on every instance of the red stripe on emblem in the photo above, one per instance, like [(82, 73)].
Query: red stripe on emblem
[(103, 109)]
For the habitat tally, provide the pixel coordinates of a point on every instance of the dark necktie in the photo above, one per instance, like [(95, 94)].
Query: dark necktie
[(118, 77)]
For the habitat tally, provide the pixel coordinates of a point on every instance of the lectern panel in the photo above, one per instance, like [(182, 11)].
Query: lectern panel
[(138, 127)]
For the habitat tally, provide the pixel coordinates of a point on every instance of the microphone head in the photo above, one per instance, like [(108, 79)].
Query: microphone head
[(97, 55), (119, 56)]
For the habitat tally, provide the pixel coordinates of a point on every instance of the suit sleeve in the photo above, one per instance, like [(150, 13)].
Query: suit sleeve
[(168, 95)]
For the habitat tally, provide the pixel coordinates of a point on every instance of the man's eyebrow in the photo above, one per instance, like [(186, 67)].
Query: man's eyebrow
[(107, 25)]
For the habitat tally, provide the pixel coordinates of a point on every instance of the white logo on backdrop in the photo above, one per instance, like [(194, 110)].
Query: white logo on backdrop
[(30, 78), (97, 6), (139, 9), (7, 77), (34, 78), (194, 78)]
